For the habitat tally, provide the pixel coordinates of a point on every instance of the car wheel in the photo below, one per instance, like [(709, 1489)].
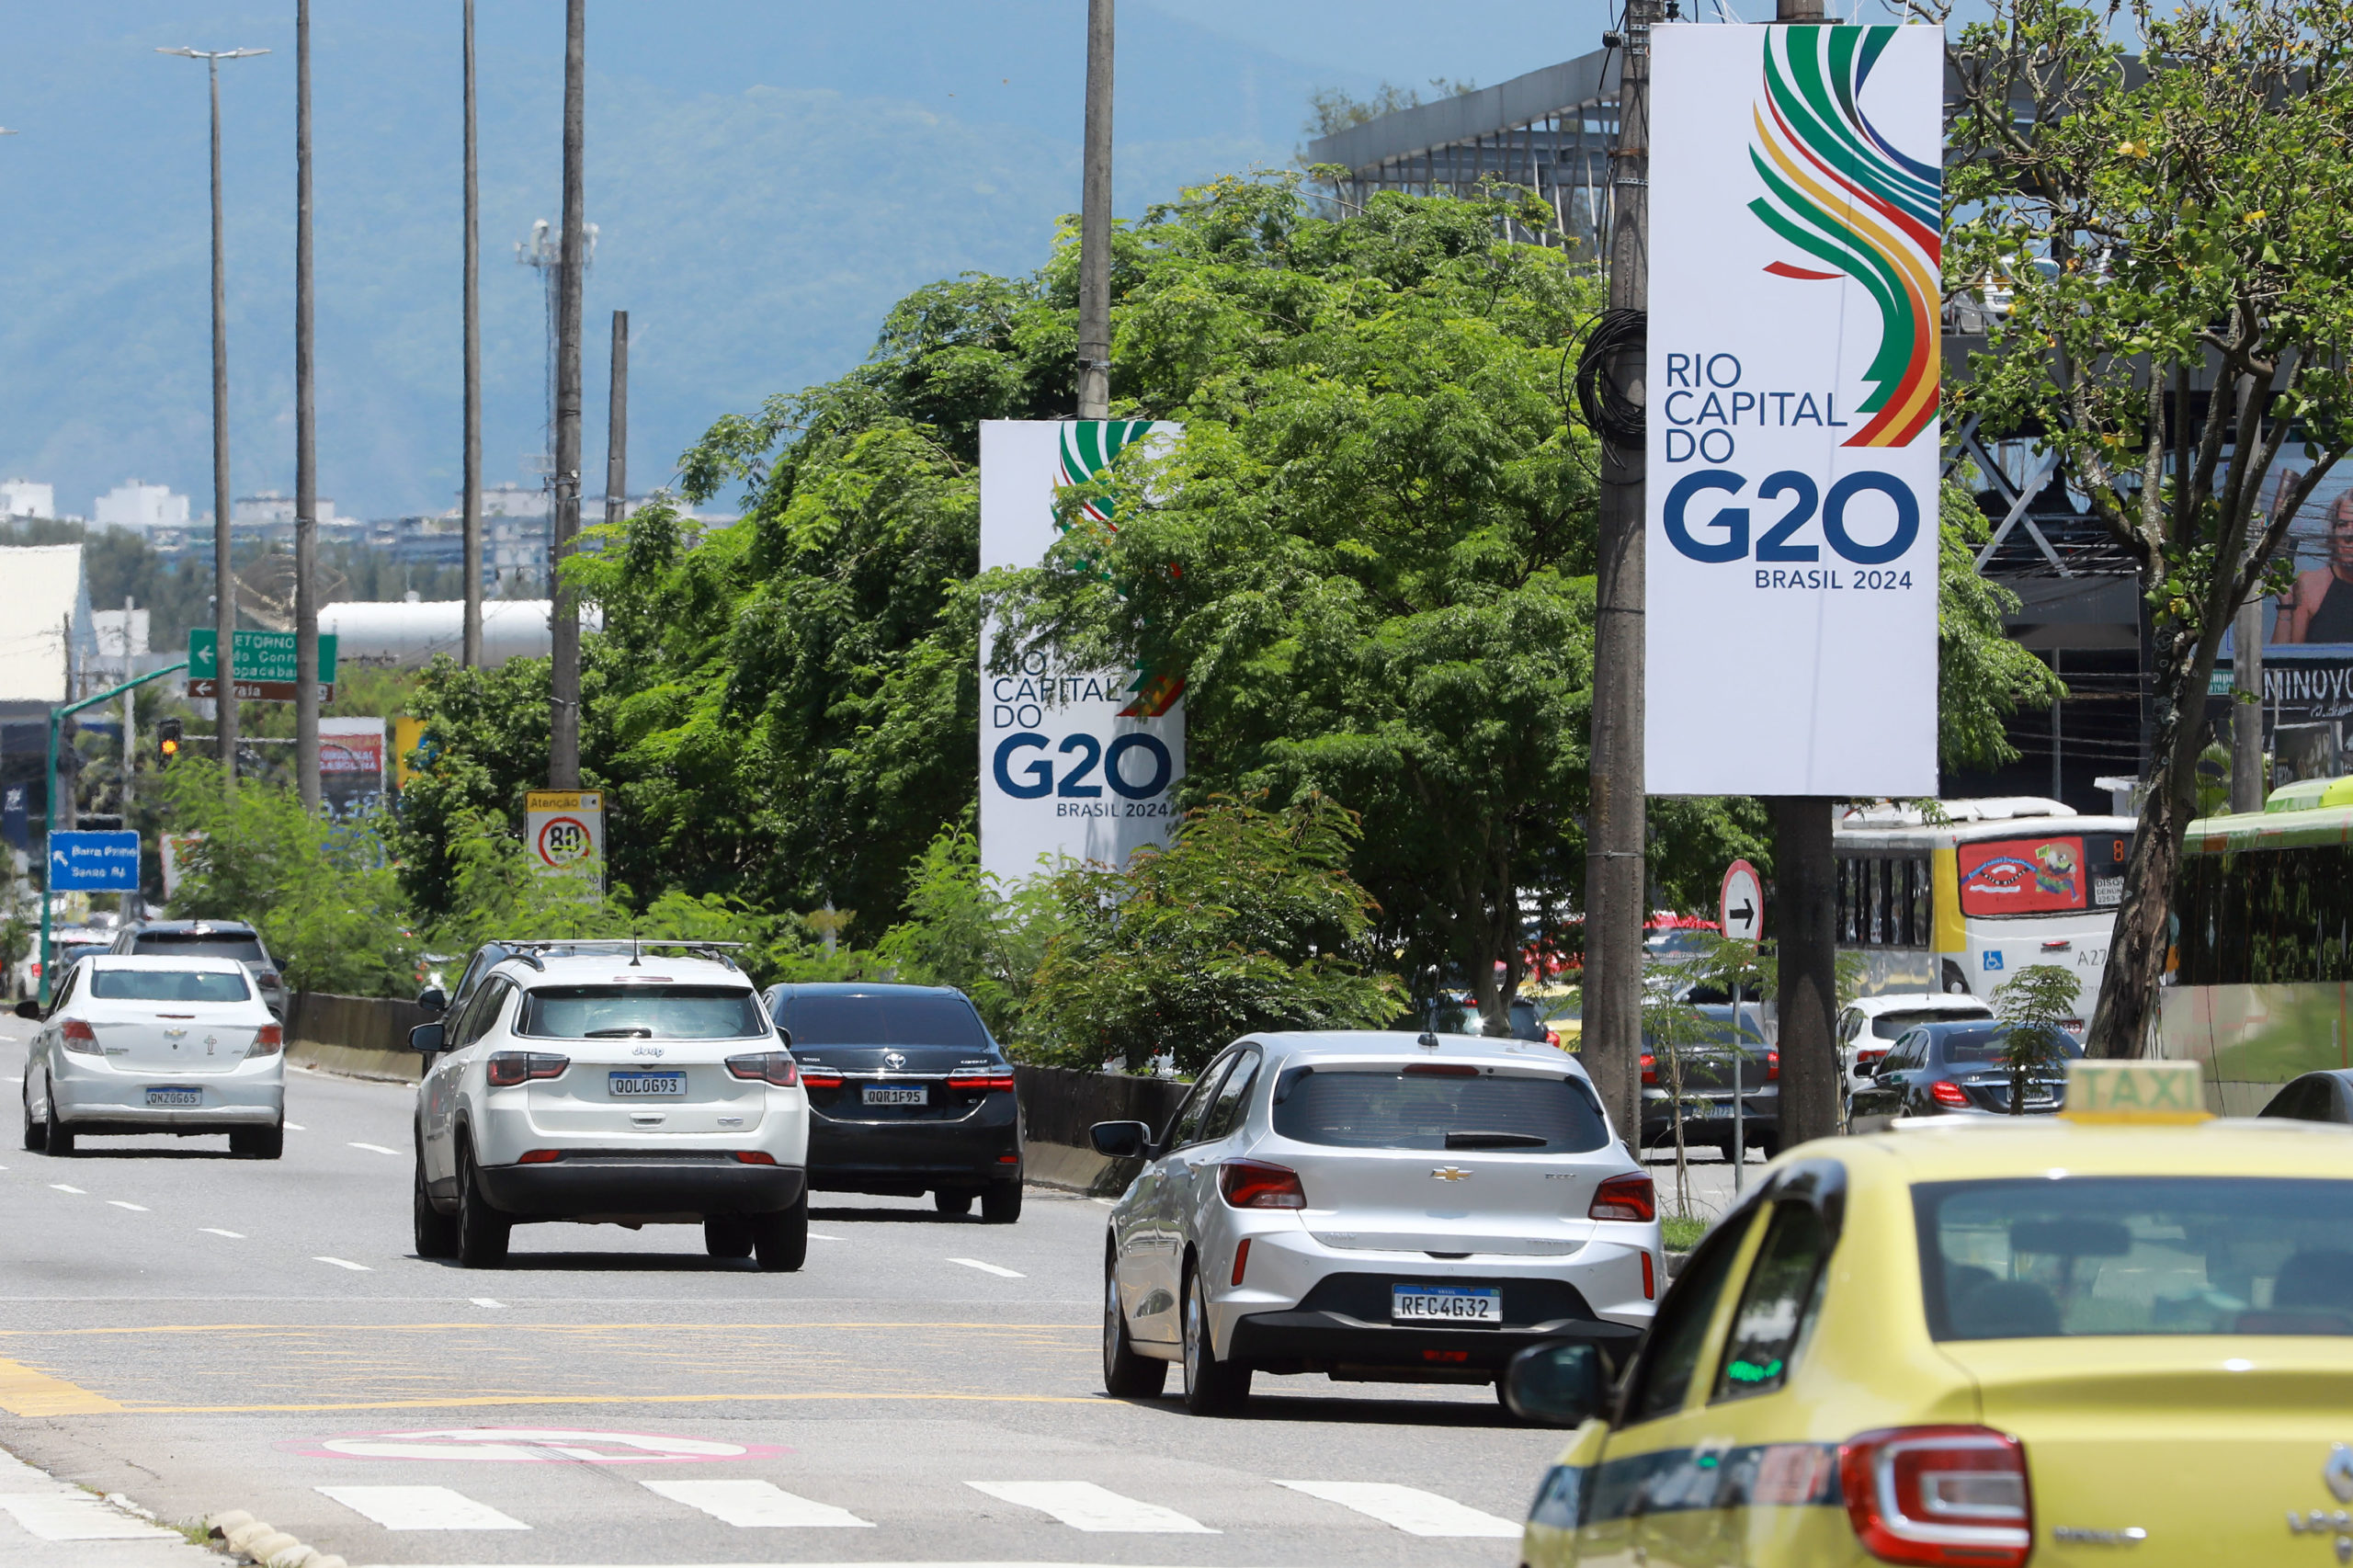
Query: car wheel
[(947, 1200), (727, 1235), (1126, 1374), (259, 1142), (59, 1140), (1212, 1387), (782, 1240), (36, 1132), (1001, 1203), (483, 1232), (436, 1234)]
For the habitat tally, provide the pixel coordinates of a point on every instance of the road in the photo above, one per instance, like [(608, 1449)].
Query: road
[(201, 1334)]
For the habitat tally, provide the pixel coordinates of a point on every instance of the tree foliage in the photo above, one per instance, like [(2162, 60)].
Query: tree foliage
[(2036, 1002)]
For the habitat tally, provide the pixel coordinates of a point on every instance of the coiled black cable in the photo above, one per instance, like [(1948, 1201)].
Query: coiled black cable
[(1606, 409)]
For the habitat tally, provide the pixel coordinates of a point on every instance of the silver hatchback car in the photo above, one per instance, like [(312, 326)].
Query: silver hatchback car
[(1373, 1206)]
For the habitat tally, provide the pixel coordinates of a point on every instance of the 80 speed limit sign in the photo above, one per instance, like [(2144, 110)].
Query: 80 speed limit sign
[(565, 830)]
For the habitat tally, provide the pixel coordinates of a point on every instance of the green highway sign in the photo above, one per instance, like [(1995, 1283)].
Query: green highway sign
[(261, 662)]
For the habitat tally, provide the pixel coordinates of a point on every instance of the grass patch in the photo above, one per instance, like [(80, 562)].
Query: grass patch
[(199, 1533), (1682, 1235)]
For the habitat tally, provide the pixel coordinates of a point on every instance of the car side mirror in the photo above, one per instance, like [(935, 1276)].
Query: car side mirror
[(434, 1000), (1121, 1140), (1560, 1384), (29, 1008), (784, 1037), (427, 1038)]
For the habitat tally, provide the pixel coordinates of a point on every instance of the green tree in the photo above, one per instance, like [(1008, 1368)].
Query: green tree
[(2187, 209), (963, 928), (2036, 1002)]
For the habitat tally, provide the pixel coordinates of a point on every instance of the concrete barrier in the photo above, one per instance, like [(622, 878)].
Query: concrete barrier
[(359, 1037)]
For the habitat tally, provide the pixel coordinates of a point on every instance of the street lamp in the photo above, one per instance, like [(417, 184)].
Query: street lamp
[(224, 686)]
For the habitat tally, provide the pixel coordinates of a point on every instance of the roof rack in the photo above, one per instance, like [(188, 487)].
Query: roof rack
[(527, 948)]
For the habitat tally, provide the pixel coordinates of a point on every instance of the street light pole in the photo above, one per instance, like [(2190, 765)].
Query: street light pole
[(1095, 223), (224, 580), (470, 648), (306, 468), (563, 697)]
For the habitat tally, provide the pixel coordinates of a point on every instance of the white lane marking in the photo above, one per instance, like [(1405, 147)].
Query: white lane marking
[(421, 1508), (72, 1518), (296, 1126), (74, 1191), (487, 1302), (1408, 1509), (756, 1505), (812, 1236), (217, 1231), (134, 1208), (1001, 1273), (346, 1262), (376, 1149), (1083, 1506)]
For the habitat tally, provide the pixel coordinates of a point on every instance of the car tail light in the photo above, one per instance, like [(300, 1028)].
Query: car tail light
[(1553, 1038), (754, 1157), (269, 1041), (991, 1080), (1772, 1065), (1440, 1070), (1625, 1198), (1944, 1091), (540, 1156), (1254, 1184), (1241, 1259), (1942, 1496), (1650, 1278), (1870, 1058), (1650, 1071), (820, 1078), (776, 1067), (507, 1068), (77, 1036)]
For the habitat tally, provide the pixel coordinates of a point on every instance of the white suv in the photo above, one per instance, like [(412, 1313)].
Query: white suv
[(636, 1087)]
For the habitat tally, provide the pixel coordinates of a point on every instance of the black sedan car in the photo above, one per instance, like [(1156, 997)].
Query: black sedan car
[(1702, 1048), (1956, 1070), (2315, 1097), (909, 1093)]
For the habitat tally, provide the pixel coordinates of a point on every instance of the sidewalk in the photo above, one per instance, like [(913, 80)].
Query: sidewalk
[(45, 1523)]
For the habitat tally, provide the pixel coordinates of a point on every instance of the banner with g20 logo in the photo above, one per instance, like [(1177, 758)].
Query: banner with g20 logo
[(1791, 386)]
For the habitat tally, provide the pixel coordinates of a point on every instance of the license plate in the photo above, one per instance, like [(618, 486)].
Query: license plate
[(1459, 1305), (642, 1083), (176, 1097), (875, 1095)]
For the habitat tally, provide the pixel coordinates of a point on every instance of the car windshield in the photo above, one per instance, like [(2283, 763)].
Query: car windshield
[(884, 1018), (1888, 1026), (1377, 1108), (641, 1012), (2101, 1256), (1988, 1043), (169, 985), (243, 945)]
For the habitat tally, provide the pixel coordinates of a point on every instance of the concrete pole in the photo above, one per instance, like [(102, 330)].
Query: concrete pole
[(306, 468), (616, 425), (224, 577), (563, 750), (1615, 901), (470, 641), (1095, 223), (2246, 708)]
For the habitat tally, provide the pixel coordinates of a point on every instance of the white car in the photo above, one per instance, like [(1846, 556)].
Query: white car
[(178, 1045), (1870, 1025), (1372, 1205), (631, 1087)]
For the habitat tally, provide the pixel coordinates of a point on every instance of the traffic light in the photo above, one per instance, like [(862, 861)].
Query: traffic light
[(167, 741)]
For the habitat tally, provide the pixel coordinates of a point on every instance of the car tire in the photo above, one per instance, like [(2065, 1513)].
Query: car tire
[(727, 1235), (1001, 1203), (59, 1138), (1212, 1387), (36, 1132), (436, 1234), (259, 1142), (780, 1241), (483, 1232), (1126, 1374), (949, 1200)]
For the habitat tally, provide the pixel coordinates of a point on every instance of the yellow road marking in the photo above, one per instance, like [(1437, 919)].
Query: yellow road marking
[(557, 1398), (24, 1392)]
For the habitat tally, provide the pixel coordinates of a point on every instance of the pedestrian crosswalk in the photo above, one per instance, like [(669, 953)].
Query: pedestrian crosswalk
[(1081, 1504)]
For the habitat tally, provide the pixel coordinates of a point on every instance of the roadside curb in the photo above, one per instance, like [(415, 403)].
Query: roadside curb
[(258, 1541)]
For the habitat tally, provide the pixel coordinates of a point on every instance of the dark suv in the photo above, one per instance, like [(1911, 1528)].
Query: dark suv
[(907, 1094), (208, 939)]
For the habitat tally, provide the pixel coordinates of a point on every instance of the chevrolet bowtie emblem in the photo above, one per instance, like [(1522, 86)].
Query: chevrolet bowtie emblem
[(2338, 1472), (1450, 1172)]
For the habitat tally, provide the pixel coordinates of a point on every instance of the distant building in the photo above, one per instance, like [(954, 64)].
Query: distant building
[(270, 507), (132, 504), (516, 501), (24, 498)]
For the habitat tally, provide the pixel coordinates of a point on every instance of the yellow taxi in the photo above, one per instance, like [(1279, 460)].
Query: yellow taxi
[(2123, 1336)]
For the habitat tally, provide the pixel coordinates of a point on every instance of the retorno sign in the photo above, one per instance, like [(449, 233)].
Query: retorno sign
[(1791, 395), (1077, 765)]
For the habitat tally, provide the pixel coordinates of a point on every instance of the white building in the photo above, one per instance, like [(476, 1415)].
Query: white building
[(24, 498), (270, 507), (132, 504), (49, 640), (516, 501)]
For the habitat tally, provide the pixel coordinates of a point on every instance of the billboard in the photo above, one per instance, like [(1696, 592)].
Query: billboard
[(1078, 765), (351, 767), (1791, 386)]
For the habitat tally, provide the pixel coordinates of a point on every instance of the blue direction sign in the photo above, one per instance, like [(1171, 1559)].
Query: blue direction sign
[(93, 862)]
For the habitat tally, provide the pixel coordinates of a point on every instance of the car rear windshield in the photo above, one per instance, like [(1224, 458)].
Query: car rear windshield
[(882, 1018), (1369, 1109), (170, 985), (641, 1012), (243, 946), (1988, 1043), (1888, 1026), (2101, 1256)]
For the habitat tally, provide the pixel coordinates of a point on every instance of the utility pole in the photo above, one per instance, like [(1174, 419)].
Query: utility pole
[(470, 641), (564, 698), (1095, 223), (306, 470), (1615, 884), (616, 425), (224, 580)]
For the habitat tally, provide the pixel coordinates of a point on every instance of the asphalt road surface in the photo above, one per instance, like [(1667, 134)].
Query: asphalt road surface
[(197, 1332)]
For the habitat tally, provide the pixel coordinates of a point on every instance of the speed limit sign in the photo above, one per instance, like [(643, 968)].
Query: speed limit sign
[(565, 830)]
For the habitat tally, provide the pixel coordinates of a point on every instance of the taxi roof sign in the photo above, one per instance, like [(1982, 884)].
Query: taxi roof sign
[(2149, 1092)]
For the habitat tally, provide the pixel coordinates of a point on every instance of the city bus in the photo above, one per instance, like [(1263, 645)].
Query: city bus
[(2259, 976), (1960, 905)]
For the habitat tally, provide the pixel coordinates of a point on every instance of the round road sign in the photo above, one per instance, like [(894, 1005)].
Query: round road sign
[(564, 841), (1742, 906)]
